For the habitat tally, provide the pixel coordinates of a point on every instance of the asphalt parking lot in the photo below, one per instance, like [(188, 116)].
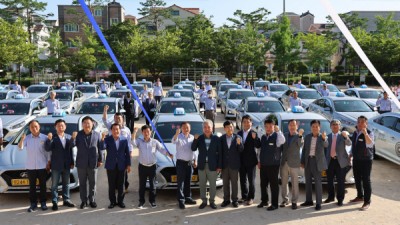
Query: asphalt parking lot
[(384, 208)]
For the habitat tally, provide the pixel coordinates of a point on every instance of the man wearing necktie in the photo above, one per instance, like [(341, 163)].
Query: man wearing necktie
[(337, 160)]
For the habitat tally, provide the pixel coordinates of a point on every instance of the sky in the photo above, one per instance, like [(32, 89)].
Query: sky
[(220, 10)]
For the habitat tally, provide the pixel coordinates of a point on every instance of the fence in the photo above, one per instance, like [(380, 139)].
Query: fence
[(194, 74)]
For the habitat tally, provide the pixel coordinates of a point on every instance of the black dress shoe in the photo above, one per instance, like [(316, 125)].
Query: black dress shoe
[(83, 205), (340, 203), (272, 208), (318, 207), (294, 206), (112, 205), (69, 204), (235, 204), (93, 204), (32, 208), (122, 205), (329, 200), (213, 205), (307, 204), (243, 200), (43, 206), (283, 204), (225, 203), (203, 205), (55, 206), (190, 201), (182, 205), (262, 204)]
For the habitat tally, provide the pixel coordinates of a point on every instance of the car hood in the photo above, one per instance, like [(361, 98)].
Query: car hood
[(355, 115), (277, 94), (307, 102), (12, 158), (370, 101), (12, 119), (164, 161), (36, 95), (234, 101), (64, 103)]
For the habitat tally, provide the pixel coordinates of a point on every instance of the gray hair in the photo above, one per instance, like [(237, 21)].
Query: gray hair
[(209, 122), (336, 121)]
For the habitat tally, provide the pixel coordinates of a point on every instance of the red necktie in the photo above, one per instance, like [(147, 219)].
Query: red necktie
[(333, 146)]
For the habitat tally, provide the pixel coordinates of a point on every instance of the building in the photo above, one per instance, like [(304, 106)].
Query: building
[(176, 12), (72, 19), (132, 18)]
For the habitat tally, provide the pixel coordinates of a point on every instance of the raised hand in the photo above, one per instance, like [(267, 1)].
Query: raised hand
[(196, 136), (324, 135), (301, 132), (254, 135), (103, 135), (50, 136), (178, 131), (23, 137), (345, 134), (276, 128), (135, 129), (106, 107), (74, 134), (238, 140)]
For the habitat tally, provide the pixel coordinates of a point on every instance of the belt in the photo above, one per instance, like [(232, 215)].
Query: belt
[(334, 158), (209, 110), (189, 163), (149, 165), (311, 156)]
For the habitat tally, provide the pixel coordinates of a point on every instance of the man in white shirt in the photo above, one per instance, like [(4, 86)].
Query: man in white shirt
[(52, 103)]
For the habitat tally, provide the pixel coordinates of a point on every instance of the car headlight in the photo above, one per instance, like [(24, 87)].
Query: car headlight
[(18, 125)]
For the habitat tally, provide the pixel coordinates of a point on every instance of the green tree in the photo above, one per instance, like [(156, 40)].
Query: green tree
[(227, 52), (57, 57), (82, 60), (319, 50), (156, 12), (258, 19), (286, 45)]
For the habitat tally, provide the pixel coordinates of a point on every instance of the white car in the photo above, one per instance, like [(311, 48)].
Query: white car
[(277, 89), (70, 100), (333, 90), (40, 90), (95, 107), (13, 175), (7, 94), (369, 95), (88, 90), (307, 95), (259, 84), (16, 113), (166, 125), (303, 120), (221, 89), (346, 109), (386, 128), (169, 104), (231, 99)]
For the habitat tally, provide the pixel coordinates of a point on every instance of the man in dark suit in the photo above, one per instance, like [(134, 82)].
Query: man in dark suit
[(248, 161), (231, 146), (337, 160), (61, 162), (129, 107), (314, 162), (89, 157), (290, 163), (150, 105), (209, 162), (117, 162), (269, 159)]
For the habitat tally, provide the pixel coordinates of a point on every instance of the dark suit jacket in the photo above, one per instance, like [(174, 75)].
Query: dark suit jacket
[(89, 153), (150, 104), (319, 152), (120, 156), (341, 153), (249, 154), (61, 158), (213, 153), (291, 151), (231, 156)]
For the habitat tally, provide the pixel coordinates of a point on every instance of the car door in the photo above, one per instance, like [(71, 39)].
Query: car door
[(285, 98), (328, 114), (383, 134)]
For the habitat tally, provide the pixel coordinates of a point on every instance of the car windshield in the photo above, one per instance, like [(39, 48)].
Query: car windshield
[(351, 106), (308, 94), (37, 89), (148, 84), (3, 95), (117, 94), (333, 88), (14, 108), (138, 88), (170, 106), (260, 83), (369, 94), (226, 87), (240, 94), (96, 108), (167, 129), (188, 94), (264, 106), (86, 89), (278, 88), (46, 128), (64, 96), (305, 125)]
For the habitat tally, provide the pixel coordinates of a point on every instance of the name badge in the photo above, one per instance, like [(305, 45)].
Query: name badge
[(42, 142), (271, 143), (360, 140)]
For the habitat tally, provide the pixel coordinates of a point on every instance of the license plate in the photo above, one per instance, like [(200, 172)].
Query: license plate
[(22, 182), (323, 173), (174, 178)]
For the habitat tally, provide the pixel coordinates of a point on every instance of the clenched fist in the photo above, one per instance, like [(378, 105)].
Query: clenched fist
[(345, 134), (196, 136), (254, 135), (74, 134), (106, 107), (50, 136), (301, 132), (276, 128), (323, 135), (178, 131), (238, 140)]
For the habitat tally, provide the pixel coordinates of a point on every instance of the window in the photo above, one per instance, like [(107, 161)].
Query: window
[(98, 12), (397, 128), (174, 12), (114, 21), (389, 122), (71, 27), (70, 44)]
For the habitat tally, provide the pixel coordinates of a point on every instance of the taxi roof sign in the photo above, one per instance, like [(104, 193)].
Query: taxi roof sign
[(260, 94), (86, 83), (276, 82), (102, 96), (59, 113), (340, 94), (297, 109), (135, 82), (260, 79), (19, 96), (364, 86), (41, 83), (143, 80), (177, 95), (180, 87), (239, 87), (63, 88), (179, 111), (323, 82)]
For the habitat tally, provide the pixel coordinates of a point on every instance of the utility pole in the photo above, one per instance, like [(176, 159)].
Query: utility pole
[(284, 7)]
